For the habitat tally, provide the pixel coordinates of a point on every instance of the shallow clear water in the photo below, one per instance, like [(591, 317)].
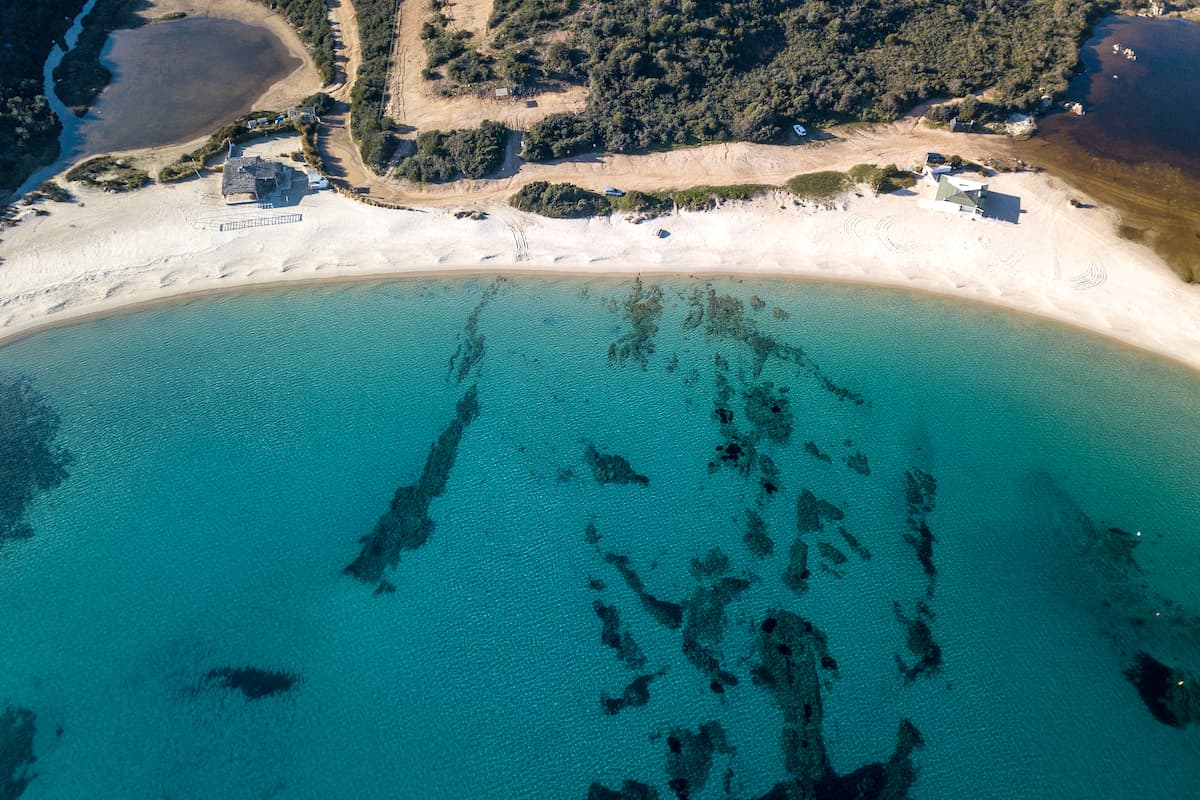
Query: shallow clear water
[(229, 454)]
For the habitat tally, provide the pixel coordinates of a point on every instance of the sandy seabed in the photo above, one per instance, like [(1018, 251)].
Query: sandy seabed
[(108, 252)]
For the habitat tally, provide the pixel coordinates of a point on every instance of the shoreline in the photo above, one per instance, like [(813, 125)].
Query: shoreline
[(474, 272), (108, 253)]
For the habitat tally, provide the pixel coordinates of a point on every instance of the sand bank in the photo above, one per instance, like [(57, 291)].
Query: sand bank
[(113, 251)]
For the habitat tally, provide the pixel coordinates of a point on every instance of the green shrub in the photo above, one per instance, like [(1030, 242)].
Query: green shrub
[(558, 136), (109, 174), (820, 186), (705, 198), (443, 156), (882, 180), (559, 200)]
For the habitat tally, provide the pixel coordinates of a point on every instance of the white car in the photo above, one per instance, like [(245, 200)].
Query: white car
[(614, 192), (800, 130)]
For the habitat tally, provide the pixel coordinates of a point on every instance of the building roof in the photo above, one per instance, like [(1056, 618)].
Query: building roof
[(251, 175), (968, 194)]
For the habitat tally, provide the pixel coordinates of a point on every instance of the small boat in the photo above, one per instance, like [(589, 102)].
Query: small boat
[(800, 130)]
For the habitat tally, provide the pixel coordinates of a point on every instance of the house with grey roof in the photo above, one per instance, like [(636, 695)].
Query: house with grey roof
[(955, 195), (252, 178)]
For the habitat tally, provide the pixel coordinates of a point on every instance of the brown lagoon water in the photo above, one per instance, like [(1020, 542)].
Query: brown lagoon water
[(172, 82), (1138, 146)]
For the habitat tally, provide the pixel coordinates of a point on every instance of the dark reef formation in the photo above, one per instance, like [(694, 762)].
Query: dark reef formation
[(736, 450), (814, 451), (768, 475), (635, 695), (18, 726), (857, 461), (611, 468), (769, 412), (252, 682), (831, 554), (630, 790), (755, 537), (704, 629), (811, 510), (726, 318), (643, 307), (921, 495), (470, 346), (690, 757), (791, 650), (854, 544), (612, 635), (30, 460), (714, 564), (664, 612), (1172, 695), (406, 525), (920, 643), (796, 575)]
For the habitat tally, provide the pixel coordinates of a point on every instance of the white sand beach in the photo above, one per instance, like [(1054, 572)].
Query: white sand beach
[(112, 251)]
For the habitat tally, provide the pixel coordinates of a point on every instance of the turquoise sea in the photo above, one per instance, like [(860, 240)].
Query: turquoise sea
[(595, 539)]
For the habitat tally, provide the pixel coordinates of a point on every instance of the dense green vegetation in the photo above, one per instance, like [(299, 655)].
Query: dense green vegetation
[(28, 128), (819, 186), (464, 63), (674, 72), (883, 180), (310, 18), (559, 136), (110, 174), (446, 155), (80, 76), (559, 200), (368, 124)]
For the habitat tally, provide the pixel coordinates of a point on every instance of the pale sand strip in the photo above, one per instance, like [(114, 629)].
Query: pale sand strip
[(1059, 262)]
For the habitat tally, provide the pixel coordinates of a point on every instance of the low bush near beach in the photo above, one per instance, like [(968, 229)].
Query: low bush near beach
[(109, 174), (559, 200), (819, 186)]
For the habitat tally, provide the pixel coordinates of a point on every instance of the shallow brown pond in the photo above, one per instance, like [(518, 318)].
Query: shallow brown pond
[(176, 81)]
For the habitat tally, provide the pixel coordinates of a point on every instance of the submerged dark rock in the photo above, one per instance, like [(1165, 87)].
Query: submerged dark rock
[(612, 635), (755, 537), (31, 461), (611, 468), (643, 307), (858, 462), (726, 317), (790, 650), (18, 727), (406, 524), (690, 757), (811, 510), (470, 346), (1172, 695), (796, 576), (715, 563), (635, 695), (854, 544), (921, 496), (665, 612), (831, 553), (770, 412), (704, 629), (919, 640), (768, 475), (814, 451), (630, 790), (252, 682)]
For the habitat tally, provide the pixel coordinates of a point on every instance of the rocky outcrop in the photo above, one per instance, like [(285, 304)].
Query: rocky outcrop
[(812, 511), (1172, 695), (252, 682), (31, 461), (18, 726), (406, 524), (643, 307), (611, 468), (618, 638), (690, 757)]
